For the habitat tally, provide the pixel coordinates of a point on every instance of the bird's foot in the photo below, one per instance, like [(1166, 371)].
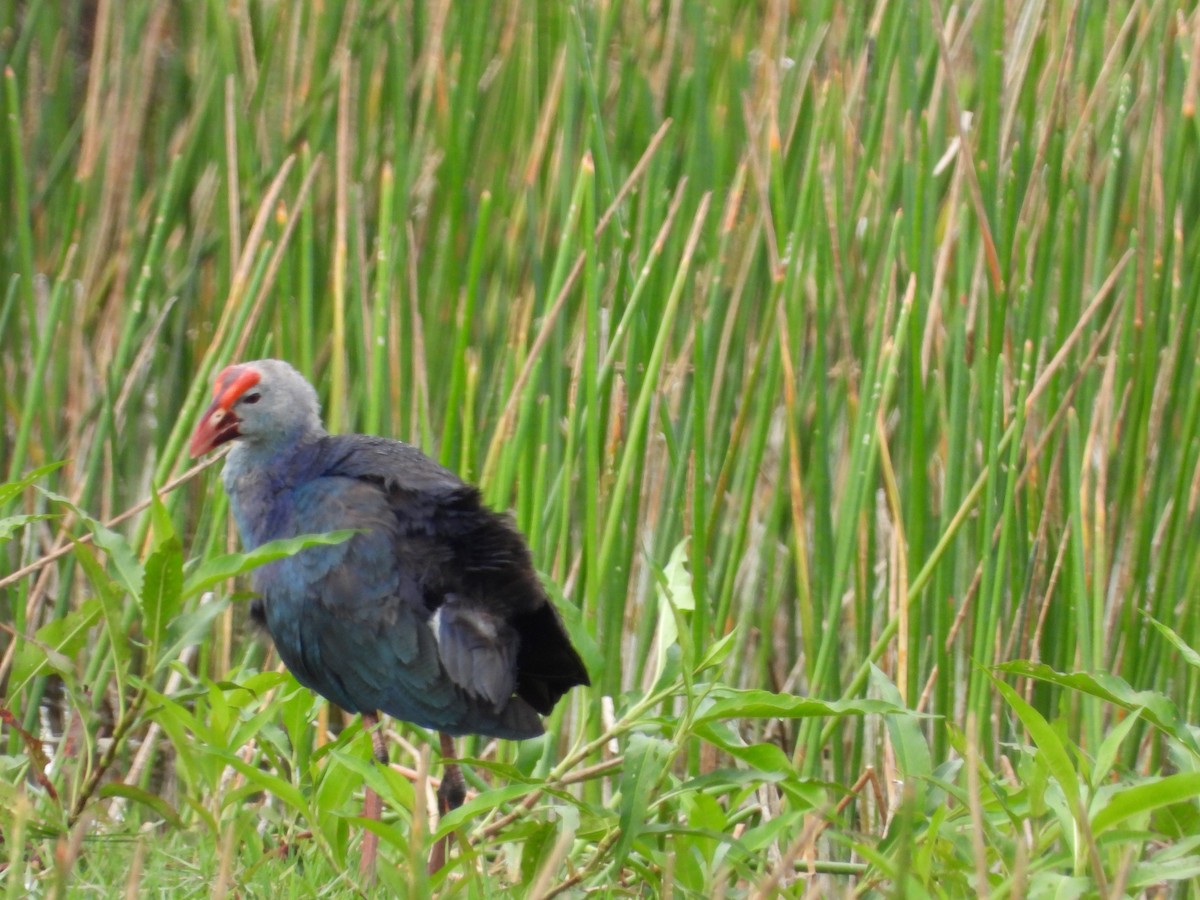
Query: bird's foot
[(452, 791)]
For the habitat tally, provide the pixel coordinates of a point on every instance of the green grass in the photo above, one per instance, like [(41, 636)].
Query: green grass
[(841, 377)]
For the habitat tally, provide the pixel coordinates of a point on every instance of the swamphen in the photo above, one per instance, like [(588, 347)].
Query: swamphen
[(432, 613)]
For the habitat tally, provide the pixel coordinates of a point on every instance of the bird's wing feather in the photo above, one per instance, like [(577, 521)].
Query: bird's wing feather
[(492, 571), (392, 618), (359, 635), (478, 650)]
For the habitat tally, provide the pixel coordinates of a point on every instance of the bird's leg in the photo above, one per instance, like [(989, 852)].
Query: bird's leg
[(372, 803), (450, 793), (453, 790), (378, 741)]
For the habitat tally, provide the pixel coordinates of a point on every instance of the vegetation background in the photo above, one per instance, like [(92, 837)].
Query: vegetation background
[(838, 360)]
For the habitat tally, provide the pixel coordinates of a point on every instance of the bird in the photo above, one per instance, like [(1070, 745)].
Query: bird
[(431, 612)]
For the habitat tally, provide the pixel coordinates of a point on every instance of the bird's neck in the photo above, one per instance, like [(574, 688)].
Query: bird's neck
[(277, 455), (258, 479)]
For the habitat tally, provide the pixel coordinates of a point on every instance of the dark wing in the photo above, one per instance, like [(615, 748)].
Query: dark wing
[(496, 630), (350, 620)]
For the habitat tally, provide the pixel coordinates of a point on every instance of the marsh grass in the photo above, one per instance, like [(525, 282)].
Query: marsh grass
[(835, 364)]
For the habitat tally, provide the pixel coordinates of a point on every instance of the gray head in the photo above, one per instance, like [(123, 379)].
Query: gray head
[(264, 404)]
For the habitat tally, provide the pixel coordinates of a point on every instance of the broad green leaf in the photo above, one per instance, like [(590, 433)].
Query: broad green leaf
[(762, 839), (342, 775), (177, 722), (395, 836), (535, 848), (160, 518), (481, 803), (945, 773), (646, 759), (1186, 653), (672, 678), (11, 489), (674, 596), (1151, 795), (1054, 752), (297, 707), (161, 593), (912, 752), (1155, 707), (1179, 848), (124, 560), (189, 628), (227, 565), (267, 781), (163, 579), (54, 645), (1051, 885), (733, 703), (219, 714), (199, 751), (111, 595), (704, 813), (723, 780), (10, 525), (261, 682), (145, 798), (1106, 756), (1152, 874), (763, 757), (718, 652), (247, 723)]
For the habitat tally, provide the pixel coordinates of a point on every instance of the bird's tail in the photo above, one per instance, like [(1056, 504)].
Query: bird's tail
[(519, 721)]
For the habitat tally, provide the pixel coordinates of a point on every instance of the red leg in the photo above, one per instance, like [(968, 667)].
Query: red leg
[(372, 802), (451, 793)]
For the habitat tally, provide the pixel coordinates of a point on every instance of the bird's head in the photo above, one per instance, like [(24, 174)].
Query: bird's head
[(265, 402)]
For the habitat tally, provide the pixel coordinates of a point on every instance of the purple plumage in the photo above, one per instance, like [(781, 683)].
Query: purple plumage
[(432, 613)]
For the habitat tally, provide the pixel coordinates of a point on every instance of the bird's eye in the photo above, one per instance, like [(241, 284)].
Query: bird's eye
[(252, 398)]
